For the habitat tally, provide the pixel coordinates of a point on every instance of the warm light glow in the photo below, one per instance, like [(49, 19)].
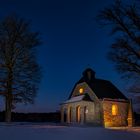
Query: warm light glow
[(81, 90), (114, 109), (78, 114)]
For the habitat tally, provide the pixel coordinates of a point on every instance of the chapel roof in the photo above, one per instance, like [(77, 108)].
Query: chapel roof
[(102, 88)]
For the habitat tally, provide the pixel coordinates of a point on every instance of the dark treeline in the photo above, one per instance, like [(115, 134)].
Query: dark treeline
[(33, 117), (45, 117)]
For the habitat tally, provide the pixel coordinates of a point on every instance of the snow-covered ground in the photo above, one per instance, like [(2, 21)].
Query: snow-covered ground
[(58, 132)]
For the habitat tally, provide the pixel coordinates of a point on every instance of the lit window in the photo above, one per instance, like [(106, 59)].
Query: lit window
[(81, 90), (114, 110)]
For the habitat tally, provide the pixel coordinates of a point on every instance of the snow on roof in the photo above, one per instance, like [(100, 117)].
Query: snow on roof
[(75, 99)]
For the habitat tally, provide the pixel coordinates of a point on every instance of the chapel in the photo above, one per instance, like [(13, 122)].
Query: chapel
[(96, 102)]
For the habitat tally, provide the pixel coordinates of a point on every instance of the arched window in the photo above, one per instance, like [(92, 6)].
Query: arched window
[(78, 114), (81, 90), (114, 110)]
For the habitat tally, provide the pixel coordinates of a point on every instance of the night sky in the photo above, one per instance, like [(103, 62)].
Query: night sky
[(71, 41)]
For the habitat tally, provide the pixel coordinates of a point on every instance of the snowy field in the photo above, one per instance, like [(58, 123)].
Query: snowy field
[(58, 132)]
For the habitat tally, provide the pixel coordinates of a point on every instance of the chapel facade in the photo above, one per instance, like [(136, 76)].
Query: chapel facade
[(97, 102)]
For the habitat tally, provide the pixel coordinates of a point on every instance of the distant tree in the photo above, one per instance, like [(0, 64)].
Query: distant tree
[(19, 70), (124, 21)]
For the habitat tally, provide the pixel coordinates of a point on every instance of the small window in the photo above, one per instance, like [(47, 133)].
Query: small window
[(114, 110), (81, 90)]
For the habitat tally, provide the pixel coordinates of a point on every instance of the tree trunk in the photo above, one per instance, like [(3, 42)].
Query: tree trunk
[(8, 109), (8, 101)]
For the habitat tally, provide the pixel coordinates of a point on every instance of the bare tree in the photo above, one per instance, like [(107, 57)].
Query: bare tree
[(19, 70), (124, 21)]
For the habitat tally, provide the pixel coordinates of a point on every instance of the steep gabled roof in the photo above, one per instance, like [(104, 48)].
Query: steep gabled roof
[(102, 88)]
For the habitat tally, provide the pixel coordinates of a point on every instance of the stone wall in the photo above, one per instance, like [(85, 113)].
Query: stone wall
[(89, 116), (115, 120)]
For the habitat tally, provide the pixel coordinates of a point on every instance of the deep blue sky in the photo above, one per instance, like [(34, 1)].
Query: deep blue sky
[(72, 41)]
